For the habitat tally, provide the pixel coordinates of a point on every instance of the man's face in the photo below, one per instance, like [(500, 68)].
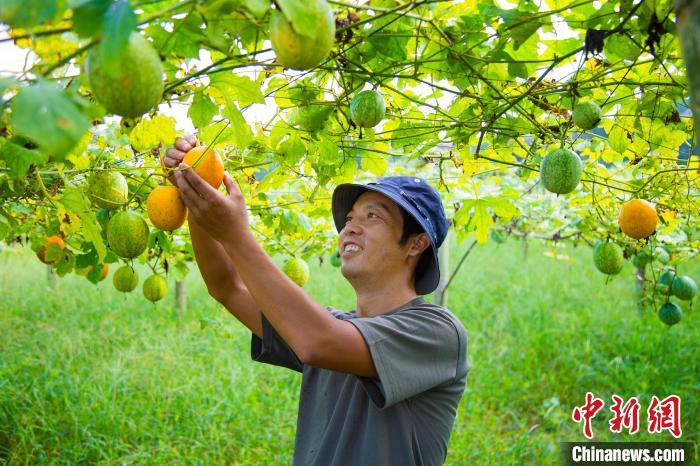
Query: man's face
[(368, 243)]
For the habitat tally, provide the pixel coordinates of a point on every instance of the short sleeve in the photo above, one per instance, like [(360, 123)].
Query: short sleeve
[(272, 349), (413, 351)]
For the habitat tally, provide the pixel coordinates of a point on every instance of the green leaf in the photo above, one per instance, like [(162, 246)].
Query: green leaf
[(88, 17), (27, 13), (48, 116), (375, 164), (239, 88), (242, 134), (202, 109), (18, 159), (258, 7), (391, 44), (523, 31), (76, 201), (302, 14), (618, 139), (119, 23), (482, 221)]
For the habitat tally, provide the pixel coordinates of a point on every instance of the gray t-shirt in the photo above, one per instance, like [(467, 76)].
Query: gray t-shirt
[(405, 416)]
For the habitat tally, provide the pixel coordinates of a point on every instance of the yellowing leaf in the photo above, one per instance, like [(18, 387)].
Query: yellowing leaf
[(150, 133)]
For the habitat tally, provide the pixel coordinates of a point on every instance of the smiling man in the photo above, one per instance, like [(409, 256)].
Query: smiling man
[(380, 384)]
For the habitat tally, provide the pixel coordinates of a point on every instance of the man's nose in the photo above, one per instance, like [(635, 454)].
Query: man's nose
[(351, 227)]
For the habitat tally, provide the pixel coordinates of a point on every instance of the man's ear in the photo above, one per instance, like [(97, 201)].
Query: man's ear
[(419, 244)]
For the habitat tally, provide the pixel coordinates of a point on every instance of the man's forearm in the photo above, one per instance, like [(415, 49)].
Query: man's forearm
[(216, 268), (292, 312)]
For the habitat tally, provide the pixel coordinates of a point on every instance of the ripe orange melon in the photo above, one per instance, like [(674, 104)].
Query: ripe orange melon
[(41, 253), (638, 218), (209, 166), (165, 208)]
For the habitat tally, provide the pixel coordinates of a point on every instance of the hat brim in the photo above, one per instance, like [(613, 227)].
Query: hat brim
[(344, 197)]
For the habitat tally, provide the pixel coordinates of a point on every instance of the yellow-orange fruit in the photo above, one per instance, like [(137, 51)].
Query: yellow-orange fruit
[(638, 219), (41, 253), (165, 208), (210, 166), (105, 270)]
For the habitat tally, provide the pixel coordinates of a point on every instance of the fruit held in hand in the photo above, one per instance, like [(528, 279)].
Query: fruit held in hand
[(561, 170), (587, 115), (58, 244), (684, 287), (155, 288), (335, 259), (367, 109), (127, 234), (209, 166), (165, 208), (132, 87), (607, 257), (297, 269), (670, 314), (108, 189), (638, 219), (125, 279), (303, 49)]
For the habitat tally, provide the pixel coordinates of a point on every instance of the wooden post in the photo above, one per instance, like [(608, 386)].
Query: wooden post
[(51, 276), (640, 278), (180, 297), (688, 17), (440, 296)]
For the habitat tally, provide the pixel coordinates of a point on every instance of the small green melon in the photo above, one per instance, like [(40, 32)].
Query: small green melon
[(305, 50), (108, 189), (587, 115), (561, 170), (367, 108), (134, 86), (297, 269), (127, 234), (670, 314), (607, 257), (155, 288), (125, 279), (684, 287)]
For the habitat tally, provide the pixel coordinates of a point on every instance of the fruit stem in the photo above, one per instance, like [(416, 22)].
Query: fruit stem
[(43, 186)]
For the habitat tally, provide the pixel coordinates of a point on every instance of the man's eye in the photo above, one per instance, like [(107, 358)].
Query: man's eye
[(347, 219), (371, 213)]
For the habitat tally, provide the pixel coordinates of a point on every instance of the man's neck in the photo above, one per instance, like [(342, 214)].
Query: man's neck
[(375, 302)]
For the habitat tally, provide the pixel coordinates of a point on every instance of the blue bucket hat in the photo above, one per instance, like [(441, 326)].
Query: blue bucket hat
[(419, 199)]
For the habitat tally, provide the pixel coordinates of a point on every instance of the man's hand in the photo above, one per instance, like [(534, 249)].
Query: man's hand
[(221, 216), (175, 154)]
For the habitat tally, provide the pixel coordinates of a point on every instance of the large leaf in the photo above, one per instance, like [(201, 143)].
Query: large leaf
[(239, 88), (27, 13), (119, 23), (88, 17), (49, 117), (76, 202), (202, 109), (18, 158)]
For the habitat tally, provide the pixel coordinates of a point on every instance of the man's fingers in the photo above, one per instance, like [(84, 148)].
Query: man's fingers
[(191, 139), (173, 157), (184, 144), (201, 187), (188, 195)]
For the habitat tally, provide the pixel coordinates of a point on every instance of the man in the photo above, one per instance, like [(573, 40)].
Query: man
[(380, 384)]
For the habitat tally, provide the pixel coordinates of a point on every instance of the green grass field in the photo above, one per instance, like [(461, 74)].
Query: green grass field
[(91, 376)]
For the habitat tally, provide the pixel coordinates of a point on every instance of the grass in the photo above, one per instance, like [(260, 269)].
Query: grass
[(88, 375)]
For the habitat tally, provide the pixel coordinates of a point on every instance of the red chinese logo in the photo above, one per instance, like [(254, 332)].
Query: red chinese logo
[(661, 415), (587, 412), (626, 415), (665, 415)]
